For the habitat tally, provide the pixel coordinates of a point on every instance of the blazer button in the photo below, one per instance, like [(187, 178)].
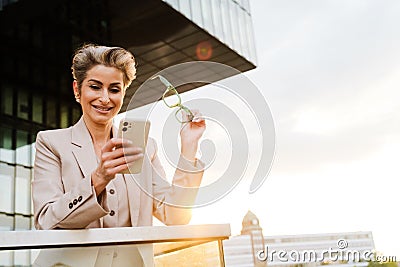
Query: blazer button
[(80, 198), (75, 201), (112, 191), (112, 213), (70, 205)]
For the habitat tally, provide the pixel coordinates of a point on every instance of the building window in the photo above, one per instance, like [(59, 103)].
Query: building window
[(23, 31), (23, 150), (7, 100), (7, 153), (23, 105), (37, 109), (23, 191), (76, 114), (51, 119), (6, 189), (37, 71), (6, 223), (37, 36), (64, 116)]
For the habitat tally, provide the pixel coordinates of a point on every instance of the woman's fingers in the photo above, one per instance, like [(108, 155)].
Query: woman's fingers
[(197, 116), (122, 161), (121, 152), (121, 156), (114, 143), (117, 154), (110, 168)]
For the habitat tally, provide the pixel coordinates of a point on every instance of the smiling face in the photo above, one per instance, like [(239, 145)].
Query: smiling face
[(101, 94)]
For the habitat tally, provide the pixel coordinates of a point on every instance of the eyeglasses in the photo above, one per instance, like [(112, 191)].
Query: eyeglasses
[(172, 99)]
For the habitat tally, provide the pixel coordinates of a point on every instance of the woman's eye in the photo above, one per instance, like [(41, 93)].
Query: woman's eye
[(115, 90), (93, 86)]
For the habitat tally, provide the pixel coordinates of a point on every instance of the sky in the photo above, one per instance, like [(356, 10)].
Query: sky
[(330, 73)]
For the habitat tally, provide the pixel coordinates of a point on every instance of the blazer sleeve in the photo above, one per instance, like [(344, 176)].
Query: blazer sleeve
[(53, 206), (172, 202)]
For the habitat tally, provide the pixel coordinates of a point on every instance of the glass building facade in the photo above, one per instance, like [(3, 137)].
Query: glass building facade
[(227, 20), (17, 150), (35, 85)]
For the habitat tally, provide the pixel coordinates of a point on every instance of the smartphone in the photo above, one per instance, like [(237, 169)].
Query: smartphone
[(136, 131)]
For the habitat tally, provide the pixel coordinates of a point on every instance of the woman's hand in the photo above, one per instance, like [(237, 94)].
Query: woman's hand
[(115, 157), (191, 133)]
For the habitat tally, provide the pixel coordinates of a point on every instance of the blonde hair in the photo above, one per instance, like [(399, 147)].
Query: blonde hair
[(90, 55)]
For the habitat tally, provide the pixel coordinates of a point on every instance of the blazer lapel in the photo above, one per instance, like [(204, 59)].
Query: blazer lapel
[(83, 149)]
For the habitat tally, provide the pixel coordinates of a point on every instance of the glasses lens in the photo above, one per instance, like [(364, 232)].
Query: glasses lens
[(171, 98), (184, 115)]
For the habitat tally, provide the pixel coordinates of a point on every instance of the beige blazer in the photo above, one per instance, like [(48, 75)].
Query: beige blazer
[(63, 197)]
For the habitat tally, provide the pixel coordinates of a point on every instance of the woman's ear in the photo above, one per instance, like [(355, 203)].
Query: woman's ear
[(76, 91)]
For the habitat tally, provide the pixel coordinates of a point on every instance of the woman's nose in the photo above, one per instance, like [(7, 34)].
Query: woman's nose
[(104, 97)]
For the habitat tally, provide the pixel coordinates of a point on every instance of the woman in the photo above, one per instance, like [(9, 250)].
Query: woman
[(77, 181)]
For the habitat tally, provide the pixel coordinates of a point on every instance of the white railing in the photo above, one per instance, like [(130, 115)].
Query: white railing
[(174, 238)]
